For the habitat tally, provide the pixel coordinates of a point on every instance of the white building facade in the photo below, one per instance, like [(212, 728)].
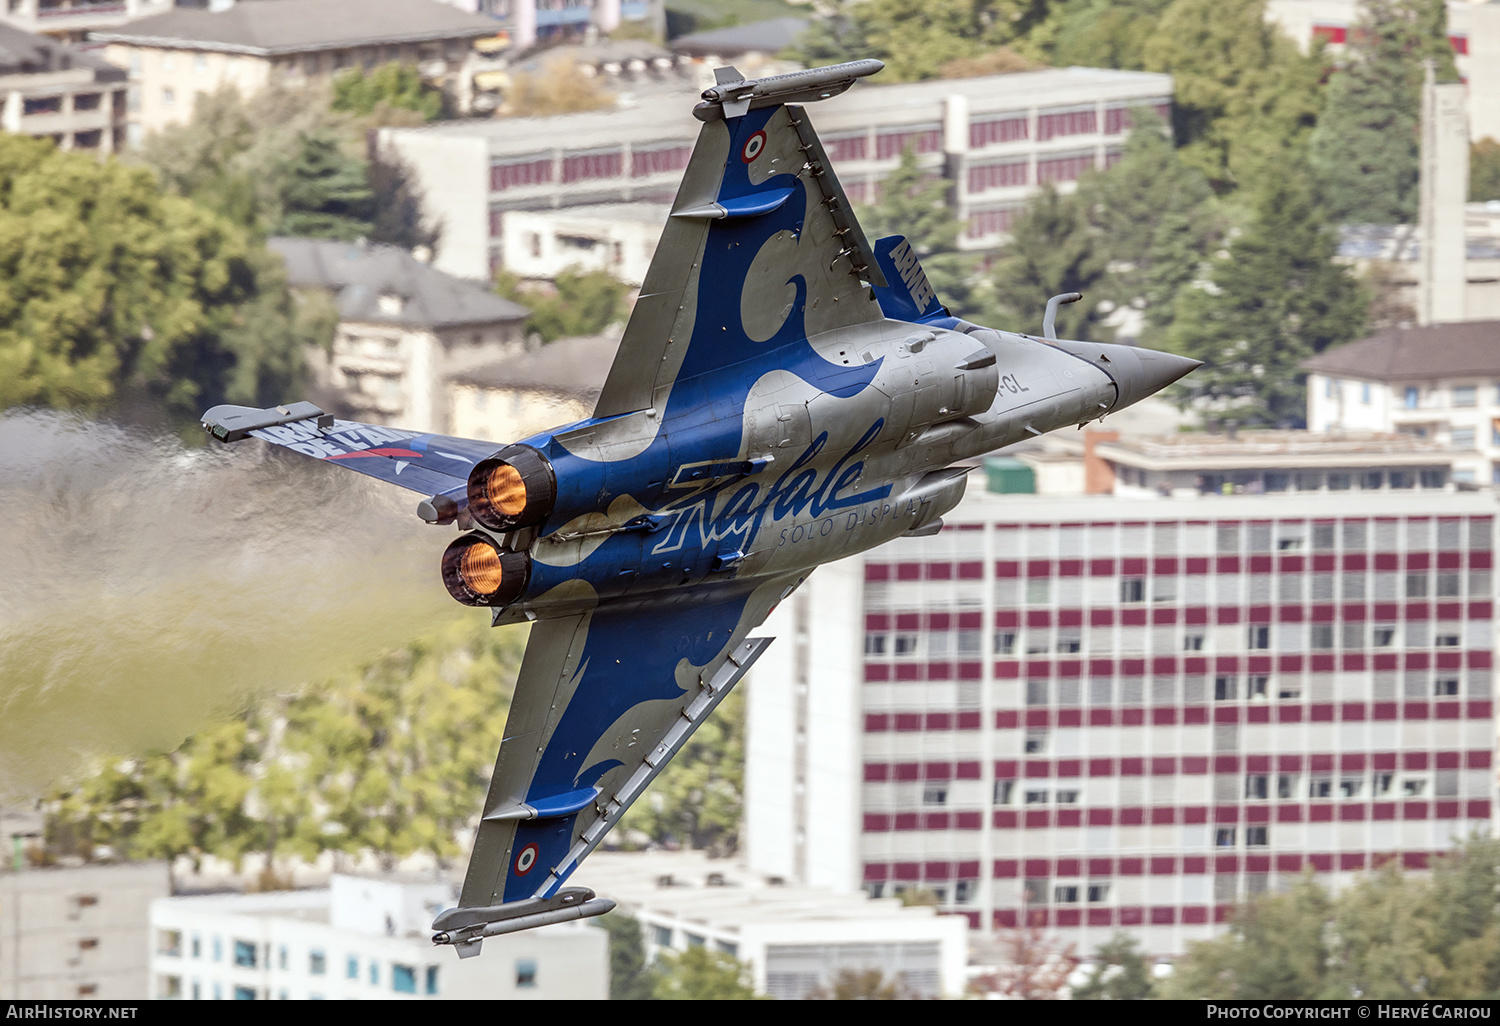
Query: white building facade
[(1440, 382), (360, 939), (1094, 714)]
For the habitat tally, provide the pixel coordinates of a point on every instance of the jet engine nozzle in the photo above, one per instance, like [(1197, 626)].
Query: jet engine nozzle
[(512, 489), (477, 573)]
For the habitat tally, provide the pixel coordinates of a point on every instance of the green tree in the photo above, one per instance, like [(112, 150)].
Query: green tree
[(630, 979), (916, 38), (111, 292), (581, 303), (699, 974), (327, 193), (1053, 249), (282, 161), (391, 86), (1244, 99), (1364, 152), (1484, 171), (1119, 973), (1157, 220), (1276, 949), (1277, 298), (1384, 945), (915, 204)]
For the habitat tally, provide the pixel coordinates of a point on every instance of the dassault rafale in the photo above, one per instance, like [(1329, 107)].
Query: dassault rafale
[(785, 394)]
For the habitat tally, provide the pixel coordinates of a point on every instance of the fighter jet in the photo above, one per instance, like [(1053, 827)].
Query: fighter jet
[(785, 394)]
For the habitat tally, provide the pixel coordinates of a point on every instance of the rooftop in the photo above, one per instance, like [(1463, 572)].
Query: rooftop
[(1463, 350), (387, 284), (1246, 449), (724, 894), (268, 27), (569, 366), (25, 53), (769, 36)]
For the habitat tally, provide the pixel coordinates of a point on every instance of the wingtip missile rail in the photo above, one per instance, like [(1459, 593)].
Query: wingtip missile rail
[(730, 98)]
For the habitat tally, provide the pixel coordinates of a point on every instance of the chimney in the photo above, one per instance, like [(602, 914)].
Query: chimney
[(1098, 473)]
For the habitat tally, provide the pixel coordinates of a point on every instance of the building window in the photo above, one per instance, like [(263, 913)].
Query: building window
[(41, 105), (1226, 689), (168, 97), (1286, 785), (1259, 636), (1349, 787), (906, 644), (1224, 837), (1445, 687), (317, 963), (1320, 787), (244, 993), (1005, 643), (1364, 393), (1257, 785), (1038, 591), (526, 972), (1255, 837), (1065, 894), (432, 979), (874, 644), (1464, 395), (1133, 589), (935, 794), (1381, 783), (1321, 635), (1036, 742), (1463, 438), (1037, 797), (1098, 892), (245, 954), (1411, 397), (374, 973), (351, 968), (1003, 791), (1413, 788), (404, 979)]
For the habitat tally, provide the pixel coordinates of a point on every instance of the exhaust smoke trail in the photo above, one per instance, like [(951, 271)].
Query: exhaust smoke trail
[(146, 587)]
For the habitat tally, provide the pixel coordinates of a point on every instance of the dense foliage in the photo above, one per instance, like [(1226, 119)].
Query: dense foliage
[(110, 291), (1390, 936), (578, 303)]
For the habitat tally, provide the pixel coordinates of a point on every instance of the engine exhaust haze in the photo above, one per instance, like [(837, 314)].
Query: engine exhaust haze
[(146, 587)]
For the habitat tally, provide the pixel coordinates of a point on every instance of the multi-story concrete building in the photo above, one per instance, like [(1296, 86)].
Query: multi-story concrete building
[(359, 939), (173, 56), (52, 91), (1094, 713), (78, 933), (532, 391), (795, 939), (1440, 382), (616, 237), (404, 330), (997, 138)]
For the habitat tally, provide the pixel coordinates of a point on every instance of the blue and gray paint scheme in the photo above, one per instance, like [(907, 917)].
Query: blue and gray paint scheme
[(785, 394)]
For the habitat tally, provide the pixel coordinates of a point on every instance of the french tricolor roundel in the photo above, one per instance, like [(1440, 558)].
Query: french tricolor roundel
[(753, 146), (526, 859)]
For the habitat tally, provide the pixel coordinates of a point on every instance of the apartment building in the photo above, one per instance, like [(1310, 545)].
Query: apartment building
[(52, 91), (77, 933), (1094, 713), (996, 138), (405, 329), (173, 56), (1440, 382), (358, 939)]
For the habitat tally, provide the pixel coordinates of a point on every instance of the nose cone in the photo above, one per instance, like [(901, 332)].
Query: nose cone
[(1137, 373)]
